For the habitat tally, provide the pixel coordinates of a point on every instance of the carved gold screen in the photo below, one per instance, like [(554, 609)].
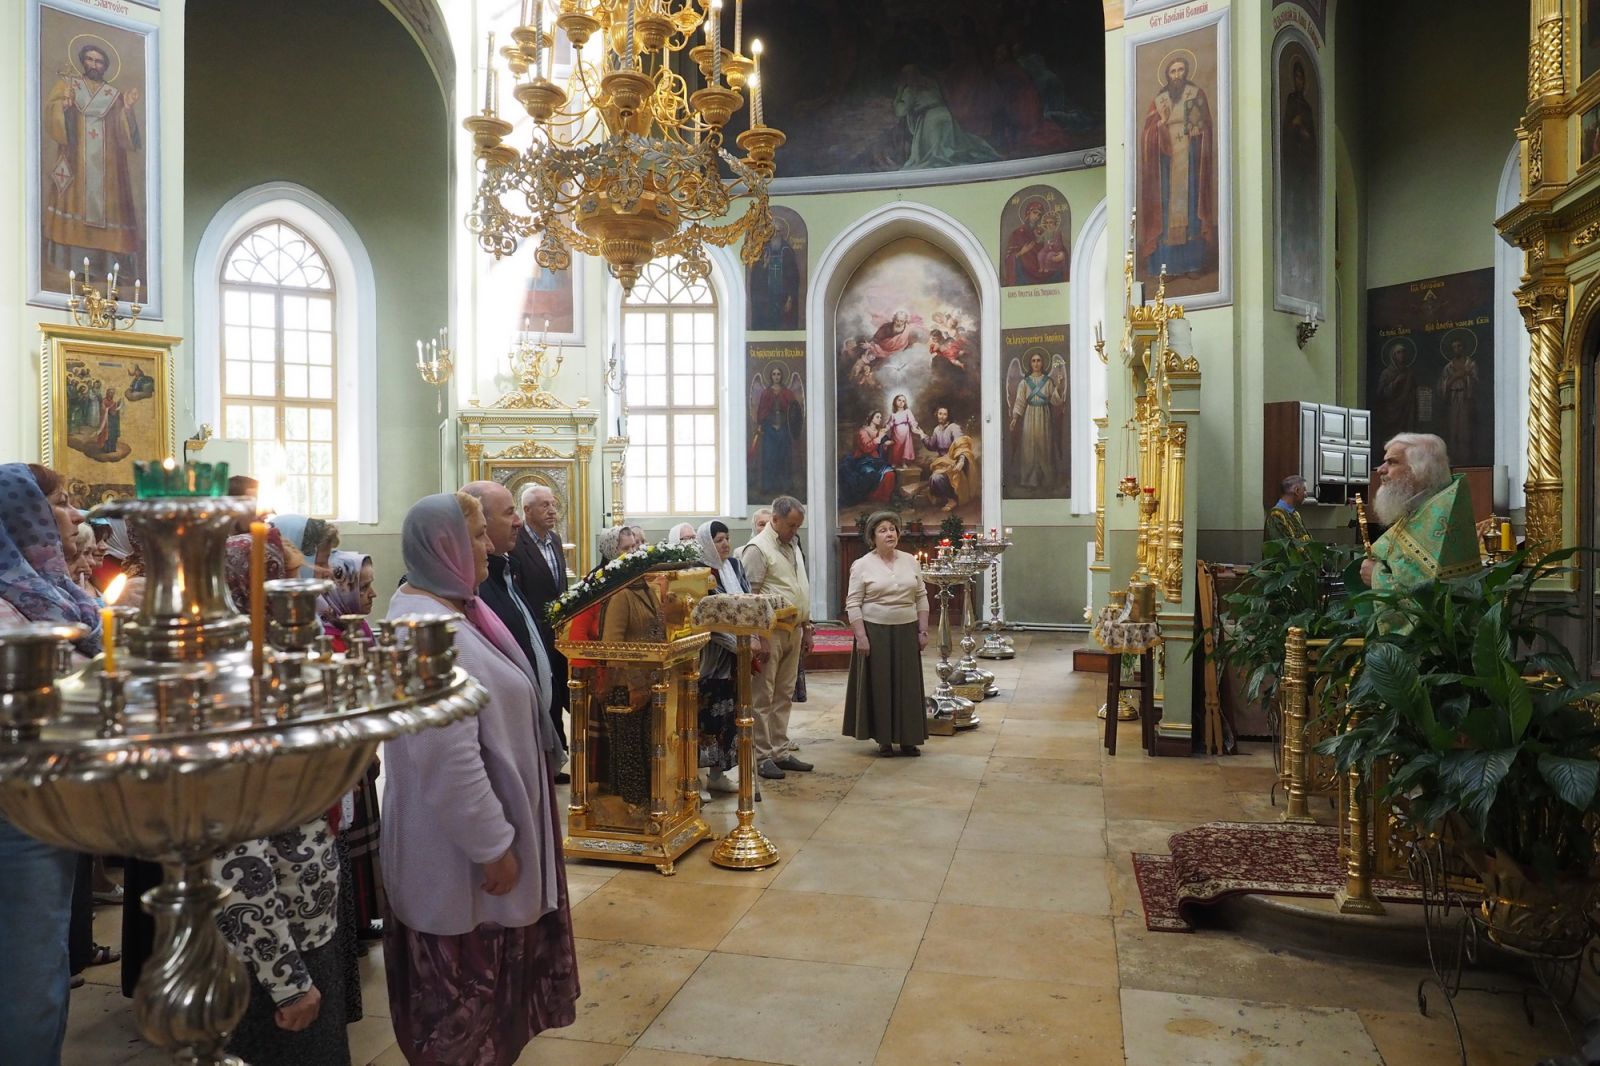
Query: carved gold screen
[(517, 466)]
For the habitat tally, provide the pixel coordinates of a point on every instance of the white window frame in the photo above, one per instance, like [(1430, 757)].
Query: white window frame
[(355, 327), (732, 422)]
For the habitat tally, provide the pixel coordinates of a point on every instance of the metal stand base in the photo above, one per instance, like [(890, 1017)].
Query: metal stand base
[(997, 647), (960, 712)]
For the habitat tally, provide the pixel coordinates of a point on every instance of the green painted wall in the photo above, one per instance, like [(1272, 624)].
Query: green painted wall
[(1445, 84), (337, 98)]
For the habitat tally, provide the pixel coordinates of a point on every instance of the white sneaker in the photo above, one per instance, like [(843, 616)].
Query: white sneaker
[(721, 782)]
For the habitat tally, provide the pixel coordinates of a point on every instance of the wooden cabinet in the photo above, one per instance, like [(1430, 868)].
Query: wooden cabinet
[(1330, 446)]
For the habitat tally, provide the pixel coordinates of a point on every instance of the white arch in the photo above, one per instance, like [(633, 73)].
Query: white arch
[(855, 242), (727, 284), (356, 308), (1088, 375), (1511, 346)]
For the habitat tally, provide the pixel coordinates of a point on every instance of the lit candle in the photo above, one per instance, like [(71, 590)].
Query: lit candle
[(755, 82), (546, 332), (72, 278), (108, 623), (738, 23), (420, 359), (86, 268), (1507, 541), (444, 338), (258, 595), (488, 74), (714, 41)]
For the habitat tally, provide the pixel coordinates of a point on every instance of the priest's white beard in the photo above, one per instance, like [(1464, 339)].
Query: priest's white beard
[(1397, 497)]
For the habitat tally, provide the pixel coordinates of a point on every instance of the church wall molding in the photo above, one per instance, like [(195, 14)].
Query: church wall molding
[(832, 271), (355, 308), (962, 174)]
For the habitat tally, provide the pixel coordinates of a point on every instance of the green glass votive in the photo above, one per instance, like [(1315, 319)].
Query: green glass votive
[(152, 479)]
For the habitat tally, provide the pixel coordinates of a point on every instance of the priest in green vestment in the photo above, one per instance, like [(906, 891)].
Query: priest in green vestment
[(1283, 521), (1431, 532)]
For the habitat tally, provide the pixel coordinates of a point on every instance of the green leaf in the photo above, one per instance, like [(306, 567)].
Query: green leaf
[(1574, 780), (1519, 703), (1470, 781)]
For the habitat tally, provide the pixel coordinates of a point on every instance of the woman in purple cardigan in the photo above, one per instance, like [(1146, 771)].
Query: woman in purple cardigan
[(478, 946)]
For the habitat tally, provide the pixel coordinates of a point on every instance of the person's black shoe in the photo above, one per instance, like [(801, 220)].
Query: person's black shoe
[(769, 770), (886, 750), (563, 778), (791, 762), (910, 749)]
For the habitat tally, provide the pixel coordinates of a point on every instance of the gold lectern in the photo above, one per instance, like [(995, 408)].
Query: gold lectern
[(634, 677)]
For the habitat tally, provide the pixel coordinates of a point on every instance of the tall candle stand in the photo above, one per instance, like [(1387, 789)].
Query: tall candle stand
[(970, 679), (995, 644), (945, 706), (184, 750)]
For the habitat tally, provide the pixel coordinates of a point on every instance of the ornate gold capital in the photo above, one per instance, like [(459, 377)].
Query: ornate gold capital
[(1547, 55)]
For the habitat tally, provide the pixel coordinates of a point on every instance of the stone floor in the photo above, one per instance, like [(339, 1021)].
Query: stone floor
[(976, 905)]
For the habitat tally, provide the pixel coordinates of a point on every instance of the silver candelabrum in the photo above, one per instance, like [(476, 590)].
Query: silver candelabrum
[(995, 644), (945, 573), (184, 749), (970, 679)]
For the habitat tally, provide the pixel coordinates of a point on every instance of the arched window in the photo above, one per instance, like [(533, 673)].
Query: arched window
[(278, 363), (286, 354), (670, 365)]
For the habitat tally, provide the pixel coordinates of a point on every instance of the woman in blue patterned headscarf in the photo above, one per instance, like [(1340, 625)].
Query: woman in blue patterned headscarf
[(35, 878), (35, 520)]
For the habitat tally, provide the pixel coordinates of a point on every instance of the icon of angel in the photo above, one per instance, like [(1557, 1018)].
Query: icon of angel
[(1038, 418), (777, 408)]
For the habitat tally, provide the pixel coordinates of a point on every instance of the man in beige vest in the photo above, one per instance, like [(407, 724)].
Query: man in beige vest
[(773, 563)]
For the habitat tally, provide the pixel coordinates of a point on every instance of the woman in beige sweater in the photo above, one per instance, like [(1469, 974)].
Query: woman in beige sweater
[(887, 605)]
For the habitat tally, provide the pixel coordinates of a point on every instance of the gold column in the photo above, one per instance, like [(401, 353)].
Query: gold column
[(688, 728), (1356, 896), (1100, 490), (658, 738), (1544, 310), (1292, 691), (1547, 67), (1172, 490), (1141, 417), (617, 513), (578, 687)]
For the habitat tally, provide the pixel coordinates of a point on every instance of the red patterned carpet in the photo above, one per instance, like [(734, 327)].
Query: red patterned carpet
[(1220, 859), (830, 648)]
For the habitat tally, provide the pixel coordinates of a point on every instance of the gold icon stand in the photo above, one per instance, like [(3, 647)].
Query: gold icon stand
[(745, 847)]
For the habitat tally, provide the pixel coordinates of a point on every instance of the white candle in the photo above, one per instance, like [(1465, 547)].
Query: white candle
[(420, 359), (738, 24), (630, 34), (755, 82), (136, 284), (488, 74), (72, 279), (538, 35), (714, 39), (444, 338), (524, 20)]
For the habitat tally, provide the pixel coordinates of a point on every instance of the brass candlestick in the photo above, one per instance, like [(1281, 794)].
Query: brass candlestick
[(94, 309)]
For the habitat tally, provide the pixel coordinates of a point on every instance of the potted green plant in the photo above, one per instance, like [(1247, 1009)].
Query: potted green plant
[(1291, 586), (1488, 736)]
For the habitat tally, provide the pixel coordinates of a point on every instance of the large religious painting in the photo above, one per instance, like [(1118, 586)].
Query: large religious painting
[(93, 153), (1038, 438), (1430, 363), (1035, 237), (1178, 138), (886, 86), (550, 301), (109, 403), (1297, 144), (777, 280), (908, 415), (775, 398)]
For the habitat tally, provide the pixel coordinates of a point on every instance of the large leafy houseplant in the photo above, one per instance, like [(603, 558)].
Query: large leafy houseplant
[(1296, 583), (1483, 725)]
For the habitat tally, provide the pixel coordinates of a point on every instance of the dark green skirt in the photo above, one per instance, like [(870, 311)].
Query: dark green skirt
[(883, 700)]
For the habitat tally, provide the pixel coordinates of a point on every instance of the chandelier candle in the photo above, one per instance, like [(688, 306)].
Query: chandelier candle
[(755, 83), (488, 75), (738, 25), (714, 40)]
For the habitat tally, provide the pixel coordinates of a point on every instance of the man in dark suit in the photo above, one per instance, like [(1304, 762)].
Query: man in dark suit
[(501, 592), (541, 573)]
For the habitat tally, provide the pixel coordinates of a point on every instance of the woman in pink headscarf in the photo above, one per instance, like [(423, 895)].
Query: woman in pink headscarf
[(478, 945)]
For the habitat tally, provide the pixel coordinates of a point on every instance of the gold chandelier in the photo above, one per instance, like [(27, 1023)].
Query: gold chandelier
[(625, 161)]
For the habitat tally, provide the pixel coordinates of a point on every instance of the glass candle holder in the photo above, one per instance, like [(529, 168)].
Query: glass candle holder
[(153, 480)]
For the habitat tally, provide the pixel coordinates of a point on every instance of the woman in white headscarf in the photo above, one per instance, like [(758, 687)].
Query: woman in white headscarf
[(682, 533), (718, 661), (478, 949)]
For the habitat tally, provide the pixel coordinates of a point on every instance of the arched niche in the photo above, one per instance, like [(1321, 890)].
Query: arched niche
[(856, 243)]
